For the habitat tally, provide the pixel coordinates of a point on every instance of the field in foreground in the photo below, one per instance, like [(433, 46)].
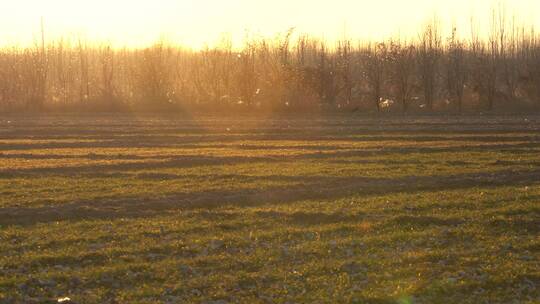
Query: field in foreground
[(320, 210)]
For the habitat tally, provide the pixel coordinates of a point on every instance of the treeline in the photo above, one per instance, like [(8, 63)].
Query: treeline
[(430, 73)]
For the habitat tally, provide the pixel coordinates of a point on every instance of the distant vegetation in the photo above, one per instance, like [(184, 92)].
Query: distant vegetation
[(301, 74)]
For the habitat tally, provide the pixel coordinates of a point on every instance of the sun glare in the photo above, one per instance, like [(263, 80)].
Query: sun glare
[(197, 23)]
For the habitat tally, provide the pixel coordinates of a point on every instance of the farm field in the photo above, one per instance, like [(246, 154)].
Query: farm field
[(337, 209)]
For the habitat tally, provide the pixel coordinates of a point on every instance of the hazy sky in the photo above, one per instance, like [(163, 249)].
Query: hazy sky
[(196, 22)]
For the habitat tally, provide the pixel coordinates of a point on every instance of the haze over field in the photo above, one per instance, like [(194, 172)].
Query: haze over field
[(285, 151), (197, 23)]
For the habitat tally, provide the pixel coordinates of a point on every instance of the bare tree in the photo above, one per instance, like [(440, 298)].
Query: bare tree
[(275, 73), (402, 71), (155, 75), (344, 70), (531, 53), (84, 90), (374, 71), (456, 69), (247, 76), (510, 56), (491, 60), (429, 55), (107, 74), (327, 87)]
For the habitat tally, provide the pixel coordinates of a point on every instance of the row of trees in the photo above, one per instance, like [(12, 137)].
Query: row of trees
[(430, 73)]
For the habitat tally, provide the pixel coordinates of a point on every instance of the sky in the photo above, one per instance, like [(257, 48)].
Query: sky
[(196, 23)]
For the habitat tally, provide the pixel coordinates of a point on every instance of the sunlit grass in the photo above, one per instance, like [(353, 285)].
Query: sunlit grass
[(358, 219)]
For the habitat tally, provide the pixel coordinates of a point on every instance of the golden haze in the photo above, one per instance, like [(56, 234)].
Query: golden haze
[(197, 23)]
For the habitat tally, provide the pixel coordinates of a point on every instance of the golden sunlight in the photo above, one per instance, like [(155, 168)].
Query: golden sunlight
[(269, 151), (197, 23)]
